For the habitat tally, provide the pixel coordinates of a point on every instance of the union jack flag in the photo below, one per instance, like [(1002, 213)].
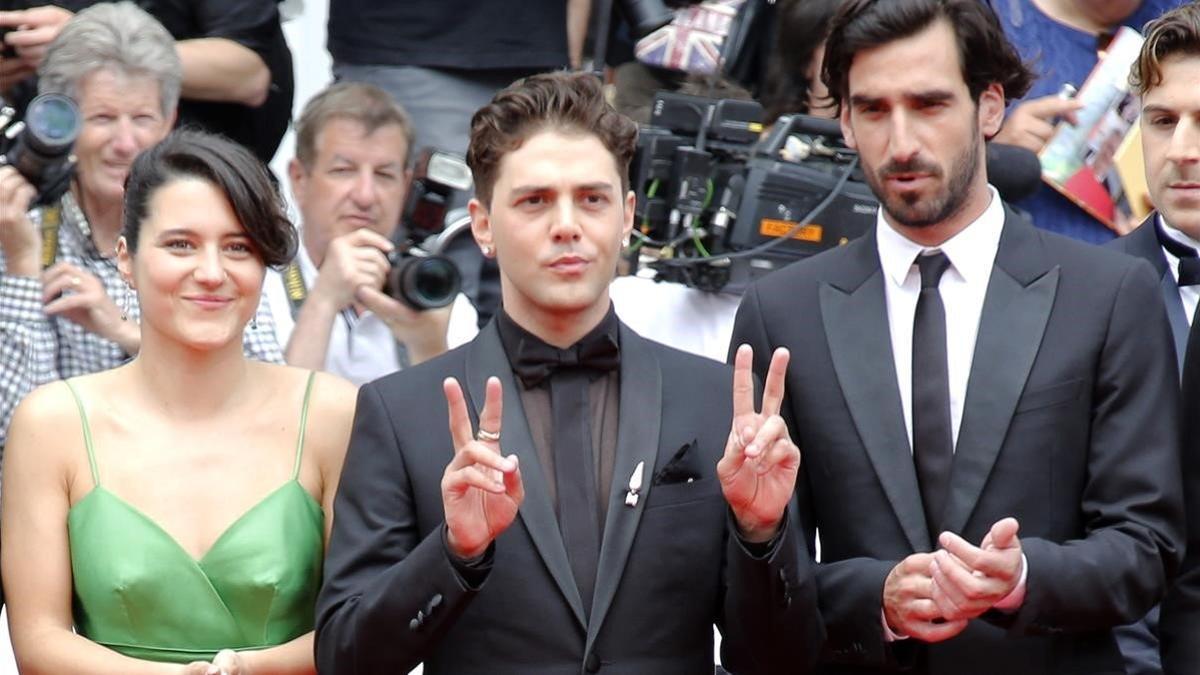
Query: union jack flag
[(692, 41)]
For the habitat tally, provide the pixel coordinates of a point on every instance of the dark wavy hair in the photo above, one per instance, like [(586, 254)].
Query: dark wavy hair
[(232, 169), (1175, 32), (985, 55), (560, 100)]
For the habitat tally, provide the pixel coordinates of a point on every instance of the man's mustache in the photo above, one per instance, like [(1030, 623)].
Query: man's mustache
[(915, 165)]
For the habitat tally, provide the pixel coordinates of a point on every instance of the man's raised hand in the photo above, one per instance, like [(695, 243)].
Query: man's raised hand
[(758, 470), (481, 489)]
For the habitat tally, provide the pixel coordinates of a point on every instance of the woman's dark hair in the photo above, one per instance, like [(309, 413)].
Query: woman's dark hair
[(232, 169), (802, 27), (985, 55)]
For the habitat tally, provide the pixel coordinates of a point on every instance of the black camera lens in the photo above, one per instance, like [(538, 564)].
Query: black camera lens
[(40, 146), (423, 282), (53, 123)]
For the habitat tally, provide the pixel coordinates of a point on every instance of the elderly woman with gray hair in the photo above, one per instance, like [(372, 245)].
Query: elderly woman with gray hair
[(64, 310)]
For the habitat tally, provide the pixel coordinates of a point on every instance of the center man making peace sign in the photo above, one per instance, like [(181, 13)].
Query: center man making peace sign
[(600, 515)]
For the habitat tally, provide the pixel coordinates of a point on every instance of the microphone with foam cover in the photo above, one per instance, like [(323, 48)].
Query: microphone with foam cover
[(1015, 171)]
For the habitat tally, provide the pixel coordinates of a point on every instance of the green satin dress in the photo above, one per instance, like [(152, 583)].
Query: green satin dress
[(137, 591)]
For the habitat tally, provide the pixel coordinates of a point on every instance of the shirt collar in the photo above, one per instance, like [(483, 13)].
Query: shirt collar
[(1177, 235), (971, 252)]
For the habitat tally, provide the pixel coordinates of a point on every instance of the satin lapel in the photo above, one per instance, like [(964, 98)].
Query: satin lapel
[(486, 358), (1019, 298), (854, 311), (1143, 243), (1177, 315), (637, 441)]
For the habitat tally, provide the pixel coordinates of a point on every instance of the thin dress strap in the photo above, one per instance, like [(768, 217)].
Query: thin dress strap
[(87, 433), (303, 424)]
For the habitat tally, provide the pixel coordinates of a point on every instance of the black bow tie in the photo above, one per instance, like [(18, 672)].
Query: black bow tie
[(535, 360), (1189, 263)]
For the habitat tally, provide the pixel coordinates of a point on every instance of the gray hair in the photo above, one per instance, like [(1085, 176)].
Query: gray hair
[(119, 37)]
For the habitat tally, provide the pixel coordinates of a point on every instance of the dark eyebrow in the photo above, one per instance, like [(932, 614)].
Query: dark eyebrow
[(176, 232), (935, 96), (523, 190), (932, 96), (188, 232), (860, 101)]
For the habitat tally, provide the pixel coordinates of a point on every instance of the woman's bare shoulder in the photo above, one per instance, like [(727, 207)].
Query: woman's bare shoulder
[(45, 423), (50, 405), (330, 404)]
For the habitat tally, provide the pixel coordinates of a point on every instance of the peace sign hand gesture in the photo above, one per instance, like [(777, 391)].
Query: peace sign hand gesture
[(758, 470), (481, 489)]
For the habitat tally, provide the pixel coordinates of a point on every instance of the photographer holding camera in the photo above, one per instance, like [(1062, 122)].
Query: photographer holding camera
[(349, 179), (64, 310)]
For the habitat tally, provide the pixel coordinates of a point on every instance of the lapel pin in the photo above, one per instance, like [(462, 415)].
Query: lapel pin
[(635, 485)]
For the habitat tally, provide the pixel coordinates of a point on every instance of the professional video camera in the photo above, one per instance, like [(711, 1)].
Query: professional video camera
[(421, 276), (717, 207), (39, 145)]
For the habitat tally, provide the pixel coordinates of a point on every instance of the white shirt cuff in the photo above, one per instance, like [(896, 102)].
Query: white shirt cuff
[(1013, 601)]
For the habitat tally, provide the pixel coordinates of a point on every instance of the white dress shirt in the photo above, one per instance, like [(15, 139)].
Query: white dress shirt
[(361, 348), (972, 253), (1190, 295), (963, 287)]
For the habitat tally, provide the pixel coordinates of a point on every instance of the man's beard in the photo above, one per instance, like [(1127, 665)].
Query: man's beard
[(910, 209)]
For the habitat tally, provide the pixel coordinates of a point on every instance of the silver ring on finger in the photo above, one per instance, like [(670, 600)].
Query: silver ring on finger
[(487, 436)]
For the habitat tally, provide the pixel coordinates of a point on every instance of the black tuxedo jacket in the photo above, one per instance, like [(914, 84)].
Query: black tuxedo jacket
[(669, 567), (1179, 625), (1069, 424), (1140, 642)]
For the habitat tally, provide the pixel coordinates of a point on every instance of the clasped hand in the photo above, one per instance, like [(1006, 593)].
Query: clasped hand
[(758, 469), (226, 662), (932, 596)]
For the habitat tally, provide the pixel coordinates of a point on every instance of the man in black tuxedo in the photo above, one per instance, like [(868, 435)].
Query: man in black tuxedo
[(988, 411), (1166, 76), (643, 519)]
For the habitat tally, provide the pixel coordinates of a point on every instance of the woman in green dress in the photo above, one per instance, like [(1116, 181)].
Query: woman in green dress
[(170, 515)]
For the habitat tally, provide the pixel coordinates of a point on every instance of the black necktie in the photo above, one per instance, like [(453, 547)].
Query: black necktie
[(933, 444), (1189, 263), (569, 372)]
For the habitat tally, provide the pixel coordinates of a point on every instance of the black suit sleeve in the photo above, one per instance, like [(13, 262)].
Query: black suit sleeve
[(389, 594), (1131, 501), (770, 613), (850, 592)]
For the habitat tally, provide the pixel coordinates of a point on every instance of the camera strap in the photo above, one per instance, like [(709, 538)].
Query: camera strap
[(51, 219), (293, 283)]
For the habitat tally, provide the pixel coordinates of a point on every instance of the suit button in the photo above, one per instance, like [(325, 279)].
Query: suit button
[(592, 663)]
